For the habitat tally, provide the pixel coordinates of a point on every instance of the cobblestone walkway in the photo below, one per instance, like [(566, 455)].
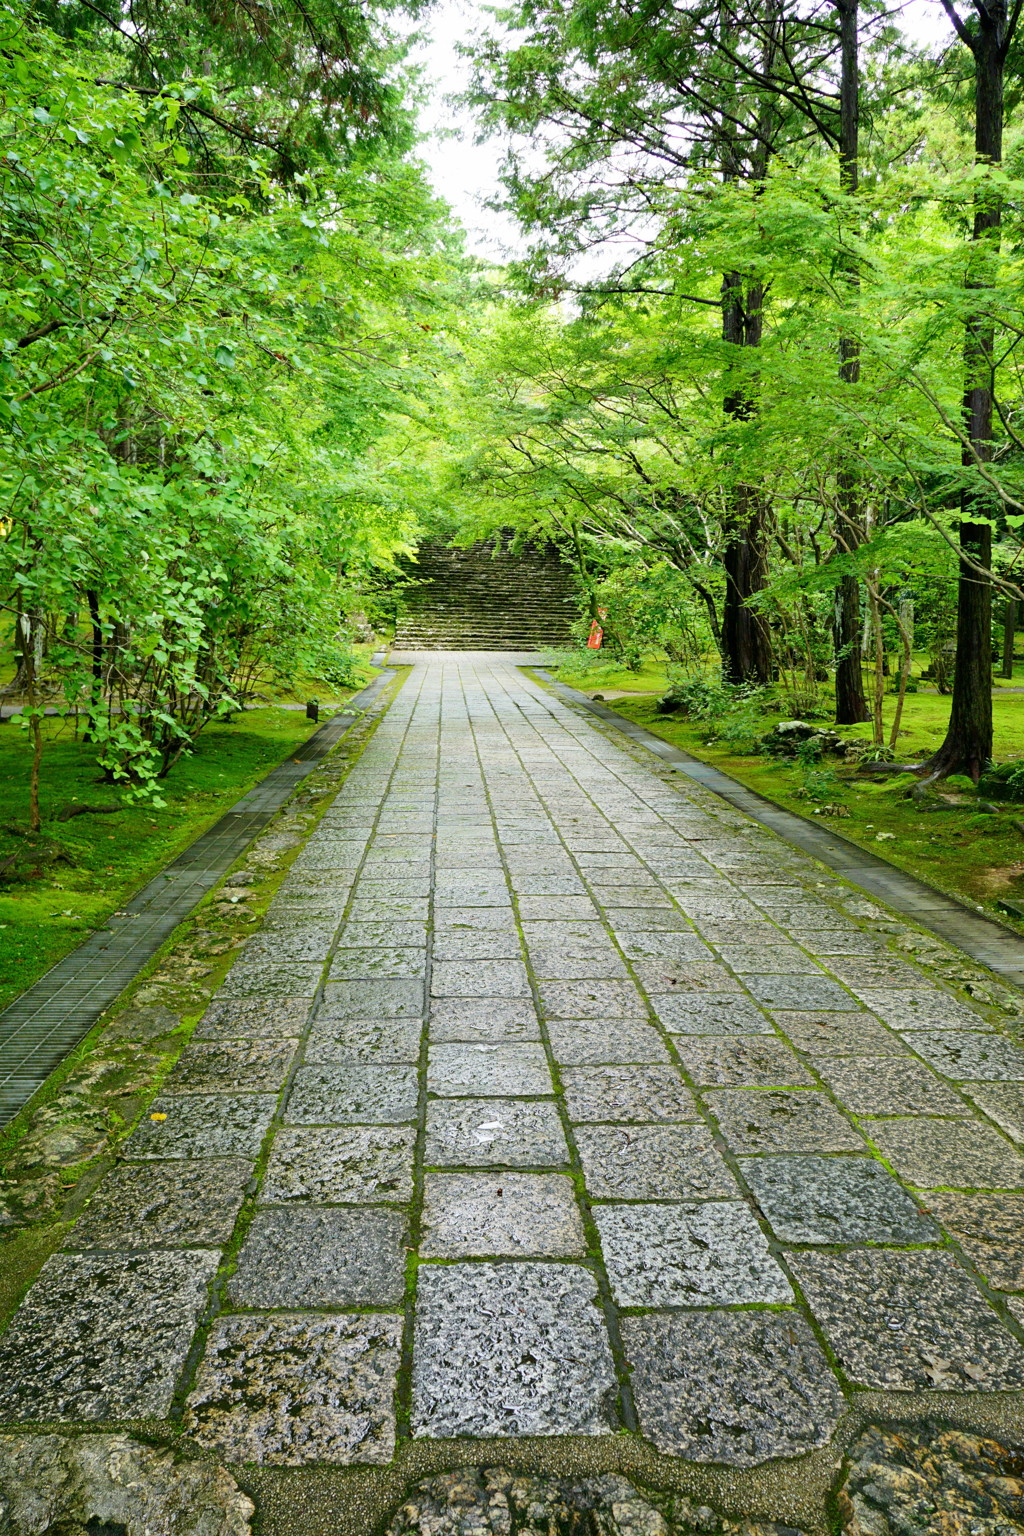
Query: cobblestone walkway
[(550, 1100)]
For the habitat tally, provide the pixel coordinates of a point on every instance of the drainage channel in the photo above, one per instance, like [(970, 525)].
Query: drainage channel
[(49, 1019), (979, 936)]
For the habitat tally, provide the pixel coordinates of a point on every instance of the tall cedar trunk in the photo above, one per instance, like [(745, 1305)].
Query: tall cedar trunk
[(968, 743), (746, 640), (1009, 629), (851, 704)]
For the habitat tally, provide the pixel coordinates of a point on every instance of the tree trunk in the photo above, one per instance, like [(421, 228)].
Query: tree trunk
[(746, 640), (967, 747), (851, 705), (1009, 630)]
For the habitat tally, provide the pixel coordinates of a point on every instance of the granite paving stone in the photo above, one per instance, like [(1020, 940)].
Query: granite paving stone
[(658, 977), (552, 965), (592, 1000), (385, 934), (585, 1042), (926, 1009), (358, 1040), (738, 1388), (673, 948), (321, 1256), (706, 1014), (880, 1086), (479, 978), (272, 981), (814, 1199), (780, 1120), (634, 1092), (476, 944), (253, 1018), (103, 1336), (899, 1320), (163, 1205), (963, 1154), (1002, 1102), (703, 1254), (399, 999), (203, 1126), (324, 1165), (626, 920), (484, 1019), (507, 1133), (837, 941), (387, 962), (232, 1066), (510, 1349), (508, 1215), (652, 1162), (292, 1389), (337, 1095), (507, 1071), (739, 1061), (963, 1056), (838, 1034), (773, 958), (308, 943), (798, 992), (990, 1230)]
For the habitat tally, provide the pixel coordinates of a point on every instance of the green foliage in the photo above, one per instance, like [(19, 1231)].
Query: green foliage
[(1003, 781)]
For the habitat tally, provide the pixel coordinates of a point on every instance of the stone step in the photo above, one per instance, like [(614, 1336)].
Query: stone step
[(473, 599)]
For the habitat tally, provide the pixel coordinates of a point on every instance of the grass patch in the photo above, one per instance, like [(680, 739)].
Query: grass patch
[(74, 874), (960, 849)]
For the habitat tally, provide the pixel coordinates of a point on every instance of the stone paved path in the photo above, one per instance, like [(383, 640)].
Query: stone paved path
[(550, 1100)]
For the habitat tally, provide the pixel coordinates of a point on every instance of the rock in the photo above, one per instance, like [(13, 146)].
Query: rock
[(114, 1485), (901, 1481), (141, 1024), (786, 738), (494, 1502)]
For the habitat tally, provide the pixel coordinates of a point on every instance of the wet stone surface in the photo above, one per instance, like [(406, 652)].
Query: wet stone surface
[(935, 1479), (292, 1389), (621, 1062)]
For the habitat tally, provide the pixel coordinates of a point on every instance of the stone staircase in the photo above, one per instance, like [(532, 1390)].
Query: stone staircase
[(480, 599)]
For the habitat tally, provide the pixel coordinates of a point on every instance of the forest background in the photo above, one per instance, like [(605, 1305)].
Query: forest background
[(756, 372)]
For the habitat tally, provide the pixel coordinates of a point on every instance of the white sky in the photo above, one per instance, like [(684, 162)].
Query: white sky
[(464, 173)]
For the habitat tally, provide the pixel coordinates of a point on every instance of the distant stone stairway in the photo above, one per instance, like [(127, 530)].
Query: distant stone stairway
[(478, 600)]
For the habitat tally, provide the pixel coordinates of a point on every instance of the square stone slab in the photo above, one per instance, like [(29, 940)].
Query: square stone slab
[(934, 1154), (479, 978), (508, 1071), (742, 1061), (706, 1254), (203, 1125), (778, 958), (670, 948), (625, 920), (286, 1390), (354, 1165), (164, 1205), (592, 1000), (929, 1009), (307, 943), (839, 941), (103, 1336), (1003, 1103), (495, 1019), (548, 885), (978, 1056), (739, 1388), (473, 919), (385, 961), (232, 1066), (352, 1095), (711, 1014), (510, 1350), (584, 1042), (990, 1230), (514, 1133), (880, 1086), (876, 971), (321, 1256), (253, 1018), (476, 944), (800, 992), (815, 1199), (401, 999), (399, 933), (627, 1093), (652, 1162), (543, 909), (271, 981), (382, 909), (357, 1040), (508, 1215), (552, 965), (658, 977), (838, 1034), (900, 1320), (782, 1120)]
